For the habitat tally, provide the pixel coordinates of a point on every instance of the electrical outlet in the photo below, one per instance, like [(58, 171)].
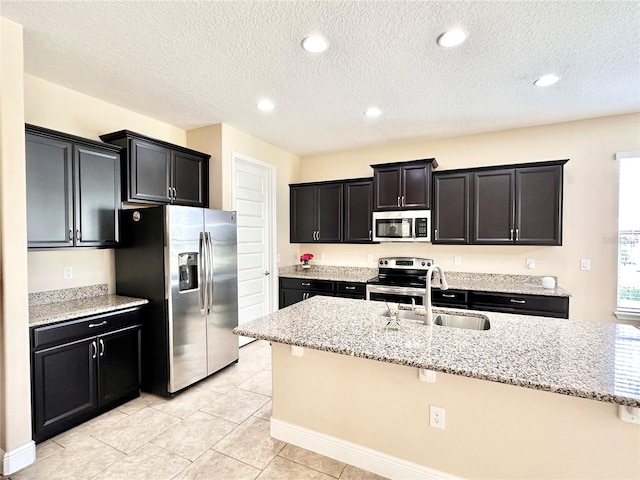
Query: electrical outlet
[(531, 263), (426, 375), (322, 256), (297, 351), (436, 417), (68, 272), (457, 260), (585, 264), (370, 258), (277, 258)]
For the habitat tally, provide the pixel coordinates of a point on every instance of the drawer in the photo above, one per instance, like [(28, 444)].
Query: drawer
[(70, 330), (526, 304), (307, 285), (449, 297), (355, 289)]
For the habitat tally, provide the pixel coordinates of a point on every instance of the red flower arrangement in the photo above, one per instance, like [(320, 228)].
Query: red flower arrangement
[(305, 257)]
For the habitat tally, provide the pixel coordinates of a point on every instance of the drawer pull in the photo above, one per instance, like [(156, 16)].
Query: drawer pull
[(93, 325), (449, 295), (350, 288), (513, 300), (305, 284)]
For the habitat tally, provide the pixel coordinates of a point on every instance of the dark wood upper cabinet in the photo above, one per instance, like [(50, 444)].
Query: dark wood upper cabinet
[(493, 206), (538, 219), (451, 208), (316, 212), (358, 209), (158, 172), (73, 190), (507, 205), (403, 185)]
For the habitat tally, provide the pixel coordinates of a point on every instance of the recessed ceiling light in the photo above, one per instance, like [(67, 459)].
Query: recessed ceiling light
[(546, 80), (265, 105), (314, 44), (372, 112), (452, 38)]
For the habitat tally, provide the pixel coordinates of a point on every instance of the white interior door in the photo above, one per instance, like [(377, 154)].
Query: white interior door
[(253, 187)]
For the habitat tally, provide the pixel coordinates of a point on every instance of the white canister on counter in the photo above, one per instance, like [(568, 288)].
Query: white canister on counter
[(548, 282)]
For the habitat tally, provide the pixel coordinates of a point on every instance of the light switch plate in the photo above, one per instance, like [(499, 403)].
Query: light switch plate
[(68, 273), (585, 264)]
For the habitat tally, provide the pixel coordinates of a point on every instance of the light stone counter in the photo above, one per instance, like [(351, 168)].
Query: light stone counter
[(481, 282), (581, 359), (69, 303)]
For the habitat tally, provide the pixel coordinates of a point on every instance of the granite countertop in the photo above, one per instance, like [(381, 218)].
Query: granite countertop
[(582, 359), (80, 307), (481, 282), (329, 272)]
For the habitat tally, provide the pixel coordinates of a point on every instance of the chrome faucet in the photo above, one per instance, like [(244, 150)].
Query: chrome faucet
[(428, 309)]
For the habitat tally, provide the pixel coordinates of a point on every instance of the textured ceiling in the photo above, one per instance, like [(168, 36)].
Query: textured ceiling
[(192, 63)]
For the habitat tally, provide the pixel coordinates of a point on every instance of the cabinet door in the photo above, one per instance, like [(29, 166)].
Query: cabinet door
[(415, 187), (49, 192), (289, 297), (358, 197), (187, 179), (493, 206), (64, 387), (150, 168), (329, 213), (118, 365), (97, 197), (386, 181), (539, 205), (451, 208), (303, 214)]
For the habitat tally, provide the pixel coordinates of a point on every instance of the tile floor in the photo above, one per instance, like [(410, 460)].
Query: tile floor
[(218, 429)]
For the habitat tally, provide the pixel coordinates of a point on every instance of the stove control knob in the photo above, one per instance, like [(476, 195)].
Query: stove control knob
[(386, 262), (423, 264), (381, 262)]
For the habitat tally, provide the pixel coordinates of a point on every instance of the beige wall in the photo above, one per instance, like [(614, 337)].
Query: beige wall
[(53, 106), (493, 430), (15, 419), (590, 203)]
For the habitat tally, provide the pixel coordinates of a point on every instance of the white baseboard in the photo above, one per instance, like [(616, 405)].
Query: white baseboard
[(353, 454), (18, 458)]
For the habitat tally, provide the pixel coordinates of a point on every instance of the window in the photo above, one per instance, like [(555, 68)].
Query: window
[(629, 235)]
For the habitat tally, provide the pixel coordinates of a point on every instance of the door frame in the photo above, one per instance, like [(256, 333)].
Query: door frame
[(271, 216)]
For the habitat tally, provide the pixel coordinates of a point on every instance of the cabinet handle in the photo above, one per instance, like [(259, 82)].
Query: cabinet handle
[(305, 284), (402, 201), (511, 235), (349, 288), (101, 347), (436, 233), (513, 300), (78, 234), (175, 193), (95, 349), (398, 203), (517, 234), (448, 295), (370, 235), (70, 234), (93, 325), (170, 194)]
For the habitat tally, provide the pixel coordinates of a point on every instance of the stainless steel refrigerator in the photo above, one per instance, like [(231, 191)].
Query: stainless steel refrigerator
[(184, 261)]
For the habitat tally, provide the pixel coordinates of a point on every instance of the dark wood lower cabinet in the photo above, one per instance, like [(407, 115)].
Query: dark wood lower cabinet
[(294, 290), (75, 379)]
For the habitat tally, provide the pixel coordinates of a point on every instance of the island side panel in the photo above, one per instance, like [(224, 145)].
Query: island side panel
[(493, 430)]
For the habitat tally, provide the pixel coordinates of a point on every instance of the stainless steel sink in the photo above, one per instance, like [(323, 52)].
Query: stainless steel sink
[(471, 322)]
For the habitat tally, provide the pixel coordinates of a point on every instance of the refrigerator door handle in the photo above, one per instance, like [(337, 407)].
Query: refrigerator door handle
[(210, 273), (203, 274)]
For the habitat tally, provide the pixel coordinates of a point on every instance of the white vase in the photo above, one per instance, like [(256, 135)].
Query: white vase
[(306, 265)]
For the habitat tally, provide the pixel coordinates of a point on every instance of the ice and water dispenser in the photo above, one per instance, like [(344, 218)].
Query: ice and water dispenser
[(188, 271)]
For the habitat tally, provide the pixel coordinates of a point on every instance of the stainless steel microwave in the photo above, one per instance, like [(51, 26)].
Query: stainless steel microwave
[(402, 226)]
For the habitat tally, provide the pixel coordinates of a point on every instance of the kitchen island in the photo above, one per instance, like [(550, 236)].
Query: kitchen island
[(529, 398)]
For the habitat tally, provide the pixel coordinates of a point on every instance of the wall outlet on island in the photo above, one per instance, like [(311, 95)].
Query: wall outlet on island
[(436, 417), (68, 273)]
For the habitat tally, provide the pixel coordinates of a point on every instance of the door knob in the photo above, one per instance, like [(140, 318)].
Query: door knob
[(267, 272)]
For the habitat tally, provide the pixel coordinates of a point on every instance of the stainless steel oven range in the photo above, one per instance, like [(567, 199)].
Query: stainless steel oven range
[(400, 279)]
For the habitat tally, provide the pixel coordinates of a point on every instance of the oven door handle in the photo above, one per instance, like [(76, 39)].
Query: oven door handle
[(394, 290)]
